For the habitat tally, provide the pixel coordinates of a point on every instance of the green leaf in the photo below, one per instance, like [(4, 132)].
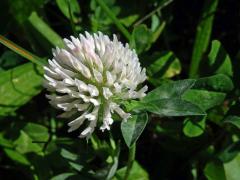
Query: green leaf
[(172, 107), (36, 131), (63, 176), (233, 120), (204, 99), (156, 27), (169, 90), (21, 9), (17, 157), (165, 65), (219, 82), (73, 159), (74, 6), (219, 60), (115, 20), (24, 144), (44, 30), (214, 170), (70, 176), (133, 128), (4, 142), (143, 43), (9, 60), (232, 168), (230, 152), (204, 30), (18, 86), (129, 20), (136, 173), (194, 127)]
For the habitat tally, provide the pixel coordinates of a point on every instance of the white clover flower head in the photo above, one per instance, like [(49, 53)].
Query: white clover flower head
[(90, 77)]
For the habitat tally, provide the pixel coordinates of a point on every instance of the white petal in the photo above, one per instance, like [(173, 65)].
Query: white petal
[(93, 90), (106, 92)]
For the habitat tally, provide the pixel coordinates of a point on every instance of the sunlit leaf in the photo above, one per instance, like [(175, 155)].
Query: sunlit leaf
[(214, 170), (219, 60), (137, 172)]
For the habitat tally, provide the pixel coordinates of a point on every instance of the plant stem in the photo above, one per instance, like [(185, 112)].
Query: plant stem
[(22, 52), (131, 158), (114, 19)]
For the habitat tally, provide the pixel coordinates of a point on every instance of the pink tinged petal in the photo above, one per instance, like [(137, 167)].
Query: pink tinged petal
[(68, 44)]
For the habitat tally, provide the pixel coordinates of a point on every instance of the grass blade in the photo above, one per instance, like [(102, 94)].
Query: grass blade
[(204, 30), (21, 51)]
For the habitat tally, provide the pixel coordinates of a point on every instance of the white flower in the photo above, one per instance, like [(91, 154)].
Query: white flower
[(90, 78)]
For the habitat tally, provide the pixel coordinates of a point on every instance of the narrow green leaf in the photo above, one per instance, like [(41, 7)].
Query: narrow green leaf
[(47, 32), (129, 20), (219, 60), (17, 157), (63, 176), (114, 19), (114, 166), (74, 6), (18, 86), (203, 35), (73, 159), (133, 128)]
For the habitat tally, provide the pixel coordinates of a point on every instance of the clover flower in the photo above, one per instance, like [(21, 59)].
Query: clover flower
[(91, 77)]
